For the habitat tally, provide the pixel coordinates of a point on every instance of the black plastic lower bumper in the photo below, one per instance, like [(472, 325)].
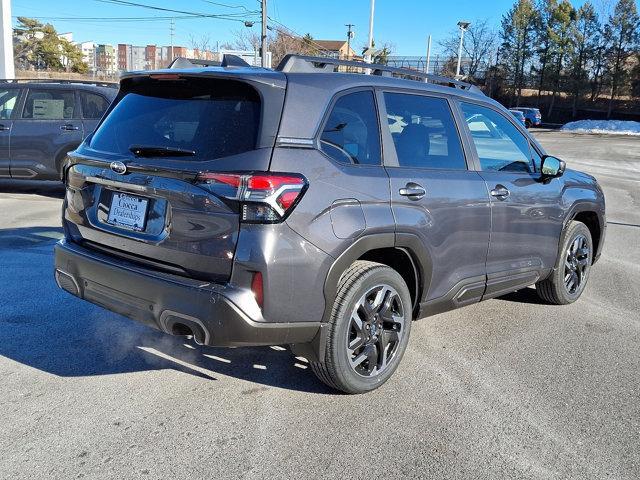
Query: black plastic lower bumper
[(172, 304)]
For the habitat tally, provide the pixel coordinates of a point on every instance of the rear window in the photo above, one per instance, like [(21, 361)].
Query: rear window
[(213, 118)]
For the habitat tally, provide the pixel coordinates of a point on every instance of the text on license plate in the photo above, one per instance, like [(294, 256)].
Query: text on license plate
[(128, 211)]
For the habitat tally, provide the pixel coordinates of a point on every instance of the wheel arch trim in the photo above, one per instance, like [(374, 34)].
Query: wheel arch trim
[(590, 207), (408, 243)]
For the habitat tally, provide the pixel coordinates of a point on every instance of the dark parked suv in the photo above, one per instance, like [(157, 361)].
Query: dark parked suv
[(41, 121), (318, 209)]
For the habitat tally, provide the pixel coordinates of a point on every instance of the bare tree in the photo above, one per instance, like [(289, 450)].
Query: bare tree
[(480, 42), (279, 42), (200, 44)]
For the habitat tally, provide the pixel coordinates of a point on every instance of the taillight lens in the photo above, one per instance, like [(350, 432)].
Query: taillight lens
[(263, 197)]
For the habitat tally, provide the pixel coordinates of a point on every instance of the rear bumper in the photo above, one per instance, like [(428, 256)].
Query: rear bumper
[(216, 315)]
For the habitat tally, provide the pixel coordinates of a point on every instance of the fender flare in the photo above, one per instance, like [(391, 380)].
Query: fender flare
[(409, 243), (585, 206)]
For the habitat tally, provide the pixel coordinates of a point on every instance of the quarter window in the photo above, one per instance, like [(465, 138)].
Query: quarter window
[(351, 134), (500, 145), (423, 132), (49, 104)]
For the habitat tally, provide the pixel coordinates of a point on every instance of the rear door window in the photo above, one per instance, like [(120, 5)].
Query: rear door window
[(211, 117), (8, 99), (423, 132), (351, 134), (44, 104), (93, 105)]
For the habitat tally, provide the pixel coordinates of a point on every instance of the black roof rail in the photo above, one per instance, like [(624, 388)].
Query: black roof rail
[(62, 81), (293, 63), (227, 61)]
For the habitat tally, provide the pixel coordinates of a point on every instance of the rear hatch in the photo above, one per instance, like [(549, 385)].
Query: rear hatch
[(132, 186)]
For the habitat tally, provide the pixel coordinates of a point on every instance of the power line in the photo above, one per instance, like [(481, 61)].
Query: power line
[(117, 19), (237, 17), (227, 6)]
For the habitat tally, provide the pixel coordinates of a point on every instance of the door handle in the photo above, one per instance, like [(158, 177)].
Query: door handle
[(4, 128), (413, 191), (500, 192), (69, 126)]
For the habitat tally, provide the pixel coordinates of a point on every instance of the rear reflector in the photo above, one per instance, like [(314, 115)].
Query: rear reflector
[(264, 197), (256, 288)]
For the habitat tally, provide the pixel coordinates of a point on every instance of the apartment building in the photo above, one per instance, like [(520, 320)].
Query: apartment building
[(106, 61)]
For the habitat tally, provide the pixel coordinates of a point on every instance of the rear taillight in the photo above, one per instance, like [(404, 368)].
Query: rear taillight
[(263, 197)]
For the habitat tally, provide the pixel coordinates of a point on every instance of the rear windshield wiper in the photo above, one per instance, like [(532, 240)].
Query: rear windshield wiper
[(152, 151)]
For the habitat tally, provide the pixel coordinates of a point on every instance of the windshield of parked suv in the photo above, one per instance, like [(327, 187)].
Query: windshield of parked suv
[(212, 118)]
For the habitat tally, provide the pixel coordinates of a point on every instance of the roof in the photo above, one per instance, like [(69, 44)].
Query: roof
[(332, 45)]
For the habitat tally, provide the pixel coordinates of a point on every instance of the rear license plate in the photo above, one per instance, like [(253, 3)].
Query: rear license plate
[(128, 211)]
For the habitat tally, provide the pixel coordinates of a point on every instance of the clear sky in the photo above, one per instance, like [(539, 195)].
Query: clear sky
[(404, 23)]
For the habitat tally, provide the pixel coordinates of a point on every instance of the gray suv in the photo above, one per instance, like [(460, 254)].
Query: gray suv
[(316, 208), (41, 121)]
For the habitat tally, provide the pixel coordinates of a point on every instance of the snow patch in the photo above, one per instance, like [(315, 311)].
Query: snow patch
[(617, 127)]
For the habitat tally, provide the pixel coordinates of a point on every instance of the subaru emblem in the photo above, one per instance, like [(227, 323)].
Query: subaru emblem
[(119, 167)]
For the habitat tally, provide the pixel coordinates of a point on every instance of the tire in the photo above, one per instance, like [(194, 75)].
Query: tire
[(571, 272), (371, 315), (527, 123)]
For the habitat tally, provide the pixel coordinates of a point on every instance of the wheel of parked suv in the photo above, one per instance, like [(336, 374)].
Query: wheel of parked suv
[(368, 330), (527, 123), (572, 268)]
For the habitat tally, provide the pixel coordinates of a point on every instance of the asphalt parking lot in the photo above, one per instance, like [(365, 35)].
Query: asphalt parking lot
[(510, 388)]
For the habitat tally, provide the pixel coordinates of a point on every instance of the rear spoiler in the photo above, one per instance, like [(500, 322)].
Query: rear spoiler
[(227, 61)]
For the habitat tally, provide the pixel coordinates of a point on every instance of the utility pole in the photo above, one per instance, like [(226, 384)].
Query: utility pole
[(172, 30), (463, 28), (263, 35), (6, 41), (349, 37), (367, 57)]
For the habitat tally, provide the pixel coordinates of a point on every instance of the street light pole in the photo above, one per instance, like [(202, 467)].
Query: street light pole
[(463, 28), (367, 57), (6, 41), (426, 69)]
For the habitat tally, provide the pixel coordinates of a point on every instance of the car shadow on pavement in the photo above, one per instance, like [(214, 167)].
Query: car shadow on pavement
[(16, 238), (48, 329), (46, 188), (525, 295)]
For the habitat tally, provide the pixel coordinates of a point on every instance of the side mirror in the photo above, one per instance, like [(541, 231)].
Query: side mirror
[(552, 167)]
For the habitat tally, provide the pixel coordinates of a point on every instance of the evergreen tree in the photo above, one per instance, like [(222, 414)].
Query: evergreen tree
[(622, 35), (517, 35), (587, 40), (39, 46), (561, 41), (544, 25)]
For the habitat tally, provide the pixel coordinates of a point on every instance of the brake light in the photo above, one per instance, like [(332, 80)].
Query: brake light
[(263, 197)]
